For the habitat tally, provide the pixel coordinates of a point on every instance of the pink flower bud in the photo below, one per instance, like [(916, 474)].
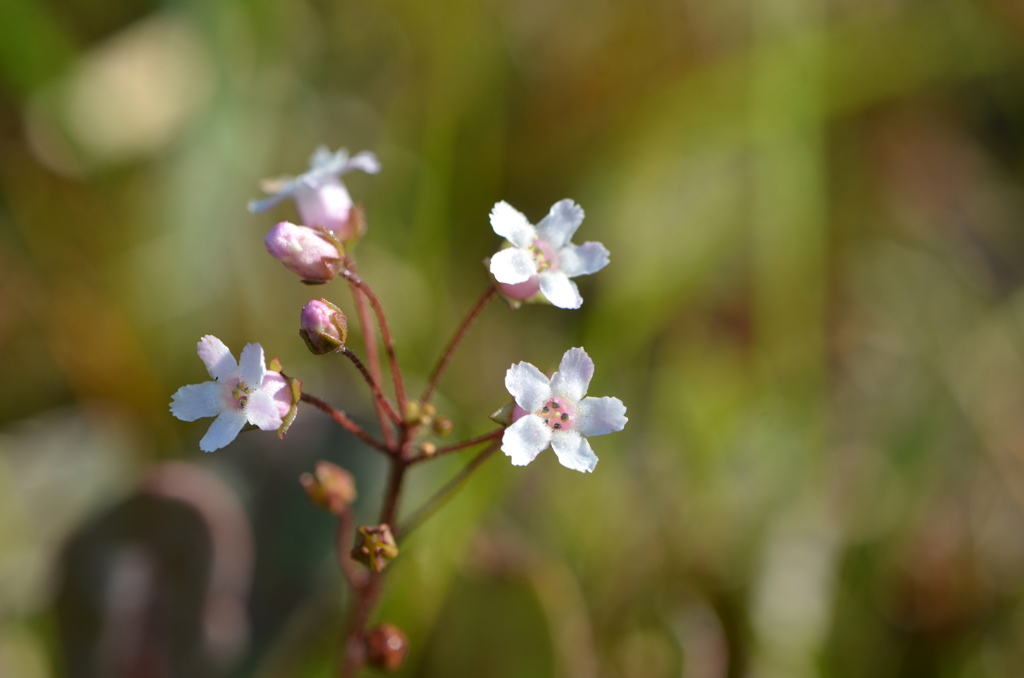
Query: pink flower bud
[(304, 252), (324, 326), (386, 647)]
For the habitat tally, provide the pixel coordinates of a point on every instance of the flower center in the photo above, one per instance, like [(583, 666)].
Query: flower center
[(544, 255), (558, 413), (241, 393)]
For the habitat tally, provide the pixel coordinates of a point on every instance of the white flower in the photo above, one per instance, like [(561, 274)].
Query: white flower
[(320, 196), (542, 257), (239, 393), (554, 412)]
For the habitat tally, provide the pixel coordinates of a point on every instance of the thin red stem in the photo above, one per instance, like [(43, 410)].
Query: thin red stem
[(372, 356), (458, 446), (377, 393), (385, 334), (446, 357), (349, 425)]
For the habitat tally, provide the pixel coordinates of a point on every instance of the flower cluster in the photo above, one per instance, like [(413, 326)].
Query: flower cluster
[(538, 264)]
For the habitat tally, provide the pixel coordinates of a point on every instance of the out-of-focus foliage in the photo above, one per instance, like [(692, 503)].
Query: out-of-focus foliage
[(813, 311)]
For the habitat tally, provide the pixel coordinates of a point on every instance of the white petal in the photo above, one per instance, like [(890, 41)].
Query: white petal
[(217, 358), (528, 386), (525, 439), (590, 257), (560, 223), (286, 190), (223, 430), (365, 161), (196, 401), (261, 411), (559, 290), (574, 451), (573, 375), (510, 224), (512, 266), (598, 416), (251, 369)]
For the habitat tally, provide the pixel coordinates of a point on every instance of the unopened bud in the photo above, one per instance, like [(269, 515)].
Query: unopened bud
[(412, 411), (324, 326), (427, 448), (386, 647), (443, 426), (375, 546), (304, 251), (330, 487)]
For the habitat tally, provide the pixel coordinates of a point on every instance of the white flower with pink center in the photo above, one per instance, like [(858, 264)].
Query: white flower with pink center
[(542, 258), (319, 194), (240, 393), (555, 412)]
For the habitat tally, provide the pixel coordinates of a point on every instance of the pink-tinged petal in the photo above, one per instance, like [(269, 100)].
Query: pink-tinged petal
[(573, 375), (525, 439), (261, 411), (598, 416), (513, 266), (528, 386), (590, 257), (511, 224), (217, 358), (574, 451), (223, 430), (251, 369), (559, 290), (277, 386), (560, 223), (328, 204), (196, 401)]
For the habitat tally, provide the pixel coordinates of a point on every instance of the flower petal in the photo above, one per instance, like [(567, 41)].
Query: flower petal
[(217, 358), (559, 290), (509, 223), (251, 369), (261, 411), (560, 223), (365, 161), (196, 401), (573, 375), (525, 439), (590, 257), (598, 416), (528, 386), (512, 266), (574, 451), (223, 430)]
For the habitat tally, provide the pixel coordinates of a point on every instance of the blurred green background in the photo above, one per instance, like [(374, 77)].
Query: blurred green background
[(814, 313)]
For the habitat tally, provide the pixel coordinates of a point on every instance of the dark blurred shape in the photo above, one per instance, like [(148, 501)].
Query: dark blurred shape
[(156, 586)]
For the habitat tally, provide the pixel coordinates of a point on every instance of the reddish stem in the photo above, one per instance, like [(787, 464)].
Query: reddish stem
[(378, 395), (458, 446), (343, 536), (385, 334), (370, 340), (446, 357), (349, 425)]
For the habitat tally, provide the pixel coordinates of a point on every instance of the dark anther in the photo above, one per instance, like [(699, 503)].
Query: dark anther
[(558, 426), (565, 416), (546, 408), (554, 405)]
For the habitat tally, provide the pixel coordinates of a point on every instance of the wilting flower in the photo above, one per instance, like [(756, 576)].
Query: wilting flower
[(239, 393), (555, 412), (319, 194), (542, 258)]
